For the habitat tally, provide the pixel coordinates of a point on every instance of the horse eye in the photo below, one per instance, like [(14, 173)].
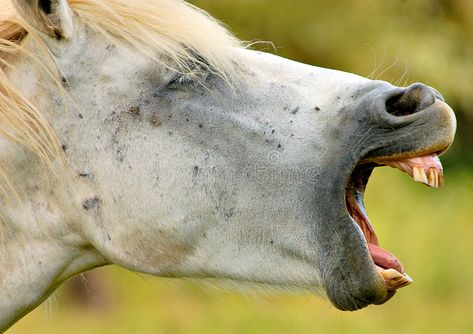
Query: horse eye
[(180, 80), (188, 80)]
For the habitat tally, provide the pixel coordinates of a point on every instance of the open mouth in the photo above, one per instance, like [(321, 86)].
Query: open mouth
[(426, 169)]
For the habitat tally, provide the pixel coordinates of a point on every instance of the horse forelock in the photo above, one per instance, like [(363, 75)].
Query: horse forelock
[(181, 32)]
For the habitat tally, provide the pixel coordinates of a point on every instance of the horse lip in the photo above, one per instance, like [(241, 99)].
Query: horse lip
[(379, 109), (431, 130), (359, 288)]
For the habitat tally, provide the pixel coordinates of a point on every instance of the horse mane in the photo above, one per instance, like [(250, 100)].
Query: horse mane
[(182, 33)]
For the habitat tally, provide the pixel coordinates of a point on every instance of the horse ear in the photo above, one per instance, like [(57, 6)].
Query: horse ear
[(52, 17)]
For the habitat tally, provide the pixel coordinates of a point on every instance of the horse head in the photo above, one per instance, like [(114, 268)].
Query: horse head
[(143, 134)]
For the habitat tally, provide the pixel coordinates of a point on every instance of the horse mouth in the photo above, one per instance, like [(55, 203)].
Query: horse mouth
[(426, 169)]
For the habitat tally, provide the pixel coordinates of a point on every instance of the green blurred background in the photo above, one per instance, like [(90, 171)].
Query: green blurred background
[(401, 41)]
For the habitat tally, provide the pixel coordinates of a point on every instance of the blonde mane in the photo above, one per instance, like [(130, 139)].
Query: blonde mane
[(184, 34)]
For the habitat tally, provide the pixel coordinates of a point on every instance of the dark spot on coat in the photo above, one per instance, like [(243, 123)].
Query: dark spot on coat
[(195, 171), (64, 147), (279, 145), (229, 214), (295, 110), (85, 175), (317, 108), (91, 204), (81, 116), (120, 156), (154, 120), (201, 126), (273, 131), (135, 110)]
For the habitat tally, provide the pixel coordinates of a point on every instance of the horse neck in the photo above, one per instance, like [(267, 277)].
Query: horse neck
[(39, 250)]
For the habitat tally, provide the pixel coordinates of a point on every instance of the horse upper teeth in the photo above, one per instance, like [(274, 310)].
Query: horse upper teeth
[(425, 169), (433, 178), (441, 182), (419, 175), (395, 280)]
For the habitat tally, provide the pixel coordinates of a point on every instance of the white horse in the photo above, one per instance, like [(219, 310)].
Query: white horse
[(141, 133)]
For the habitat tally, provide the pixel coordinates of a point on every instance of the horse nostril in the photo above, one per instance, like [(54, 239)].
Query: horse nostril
[(414, 98)]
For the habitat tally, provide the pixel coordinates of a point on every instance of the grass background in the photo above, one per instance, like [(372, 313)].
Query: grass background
[(431, 231)]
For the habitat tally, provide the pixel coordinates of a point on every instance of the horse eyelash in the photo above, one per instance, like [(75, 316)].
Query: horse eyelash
[(196, 71), (194, 78), (181, 79)]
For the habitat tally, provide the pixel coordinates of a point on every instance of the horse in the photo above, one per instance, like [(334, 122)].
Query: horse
[(144, 134)]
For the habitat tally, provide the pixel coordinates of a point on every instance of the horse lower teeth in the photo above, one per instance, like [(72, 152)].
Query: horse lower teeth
[(394, 279)]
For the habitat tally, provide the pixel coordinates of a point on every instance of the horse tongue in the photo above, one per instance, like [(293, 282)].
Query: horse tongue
[(384, 259), (426, 169)]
